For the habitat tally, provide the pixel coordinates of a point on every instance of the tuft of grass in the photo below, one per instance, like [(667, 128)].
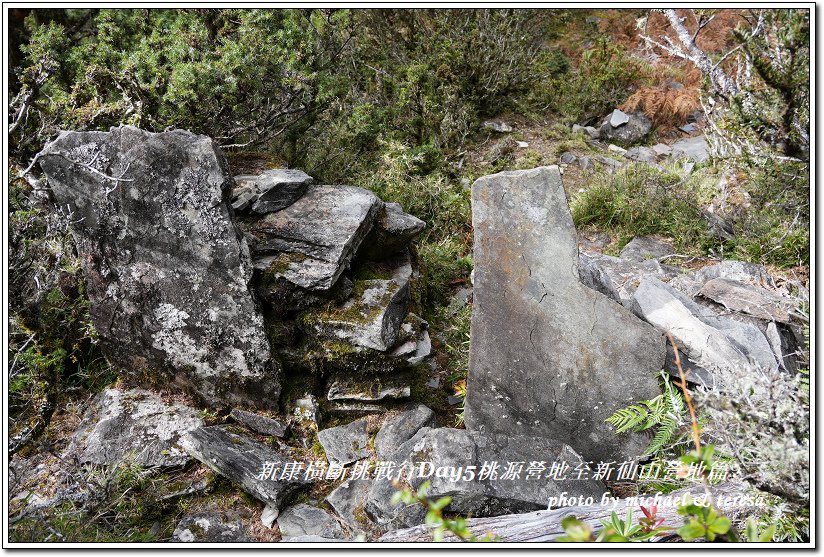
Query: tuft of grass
[(642, 200)]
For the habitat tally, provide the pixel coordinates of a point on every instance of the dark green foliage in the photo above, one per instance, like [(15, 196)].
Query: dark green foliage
[(604, 79), (777, 106)]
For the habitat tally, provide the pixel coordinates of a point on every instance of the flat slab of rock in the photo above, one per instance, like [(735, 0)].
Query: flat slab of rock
[(694, 149), (135, 425), (306, 520), (399, 429), (642, 248), (166, 272), (258, 423), (549, 356), (709, 341), (345, 444), (209, 527), (758, 302), (311, 242), (617, 277), (369, 389), (269, 191), (493, 492), (241, 460)]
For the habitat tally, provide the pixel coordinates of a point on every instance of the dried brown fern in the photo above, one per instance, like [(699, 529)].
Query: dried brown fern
[(663, 104)]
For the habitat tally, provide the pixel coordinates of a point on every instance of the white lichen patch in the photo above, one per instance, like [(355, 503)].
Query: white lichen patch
[(170, 317)]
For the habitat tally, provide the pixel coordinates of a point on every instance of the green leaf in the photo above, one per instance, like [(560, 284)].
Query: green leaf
[(720, 525), (692, 531)]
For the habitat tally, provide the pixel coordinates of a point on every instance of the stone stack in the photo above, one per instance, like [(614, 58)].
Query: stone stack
[(339, 283)]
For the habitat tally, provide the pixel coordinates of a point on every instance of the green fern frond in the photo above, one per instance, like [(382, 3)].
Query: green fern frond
[(631, 417), (663, 437)]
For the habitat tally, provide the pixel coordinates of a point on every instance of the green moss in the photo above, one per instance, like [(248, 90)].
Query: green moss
[(282, 263)]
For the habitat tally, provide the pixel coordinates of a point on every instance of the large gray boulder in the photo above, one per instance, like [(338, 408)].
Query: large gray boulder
[(488, 475), (311, 242), (549, 356), (135, 425), (166, 272), (256, 468), (632, 129)]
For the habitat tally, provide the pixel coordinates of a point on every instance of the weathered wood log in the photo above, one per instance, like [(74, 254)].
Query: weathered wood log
[(545, 526)]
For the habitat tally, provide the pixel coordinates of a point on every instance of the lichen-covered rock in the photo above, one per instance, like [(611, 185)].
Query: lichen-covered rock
[(209, 527), (345, 444), (134, 425), (392, 232), (399, 429), (270, 191), (306, 520), (166, 271), (311, 242), (243, 461), (548, 356), (347, 500), (372, 317)]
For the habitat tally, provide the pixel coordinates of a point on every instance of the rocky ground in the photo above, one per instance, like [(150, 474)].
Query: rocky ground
[(328, 277)]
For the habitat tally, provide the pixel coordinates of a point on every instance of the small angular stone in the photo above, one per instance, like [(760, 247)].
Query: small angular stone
[(392, 232), (618, 118), (258, 423), (399, 429), (498, 126), (305, 520), (209, 527)]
